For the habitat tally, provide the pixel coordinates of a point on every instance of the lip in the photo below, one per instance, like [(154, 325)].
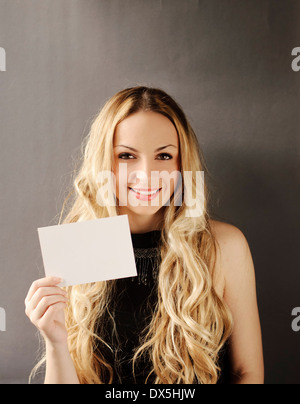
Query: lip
[(145, 197), (144, 189)]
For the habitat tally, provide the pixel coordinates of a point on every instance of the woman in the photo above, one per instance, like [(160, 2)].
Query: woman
[(197, 320)]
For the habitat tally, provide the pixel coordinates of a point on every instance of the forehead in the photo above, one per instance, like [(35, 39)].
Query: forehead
[(150, 127)]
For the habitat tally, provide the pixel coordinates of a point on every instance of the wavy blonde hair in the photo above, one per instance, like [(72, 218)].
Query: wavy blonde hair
[(190, 322)]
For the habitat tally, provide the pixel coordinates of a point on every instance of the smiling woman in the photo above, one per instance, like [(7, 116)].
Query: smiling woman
[(147, 133), (187, 325)]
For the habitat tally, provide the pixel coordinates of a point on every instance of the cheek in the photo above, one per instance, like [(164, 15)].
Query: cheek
[(174, 172), (177, 163), (120, 176)]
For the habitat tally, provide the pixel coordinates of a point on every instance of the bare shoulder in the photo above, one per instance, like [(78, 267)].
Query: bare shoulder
[(234, 259), (229, 237), (232, 251)]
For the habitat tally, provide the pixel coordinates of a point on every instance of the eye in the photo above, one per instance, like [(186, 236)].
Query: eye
[(166, 154), (122, 155)]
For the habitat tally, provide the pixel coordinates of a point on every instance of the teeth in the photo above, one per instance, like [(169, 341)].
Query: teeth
[(144, 192)]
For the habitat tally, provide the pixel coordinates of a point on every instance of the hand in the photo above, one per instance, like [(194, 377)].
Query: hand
[(45, 304)]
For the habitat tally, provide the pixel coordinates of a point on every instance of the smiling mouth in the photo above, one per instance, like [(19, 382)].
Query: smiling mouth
[(145, 192)]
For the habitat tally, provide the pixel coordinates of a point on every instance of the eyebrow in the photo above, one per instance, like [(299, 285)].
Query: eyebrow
[(160, 148)]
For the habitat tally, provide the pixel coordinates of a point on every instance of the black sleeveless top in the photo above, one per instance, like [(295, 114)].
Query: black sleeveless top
[(134, 302)]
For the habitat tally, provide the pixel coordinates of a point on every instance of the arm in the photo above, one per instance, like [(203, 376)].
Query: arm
[(45, 304), (59, 366), (245, 343)]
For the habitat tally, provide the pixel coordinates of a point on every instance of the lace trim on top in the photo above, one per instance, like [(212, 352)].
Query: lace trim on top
[(145, 257)]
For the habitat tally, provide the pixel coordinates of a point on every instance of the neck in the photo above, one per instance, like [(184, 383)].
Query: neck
[(143, 223)]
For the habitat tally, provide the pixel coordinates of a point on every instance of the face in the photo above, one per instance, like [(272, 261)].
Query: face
[(140, 141)]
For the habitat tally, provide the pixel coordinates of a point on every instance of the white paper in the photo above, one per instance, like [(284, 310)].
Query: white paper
[(90, 251)]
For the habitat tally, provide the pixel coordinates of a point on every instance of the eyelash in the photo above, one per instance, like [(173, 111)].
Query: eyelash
[(128, 154)]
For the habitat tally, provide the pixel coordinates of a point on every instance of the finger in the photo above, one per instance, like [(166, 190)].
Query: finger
[(44, 304), (50, 314), (48, 281), (40, 293)]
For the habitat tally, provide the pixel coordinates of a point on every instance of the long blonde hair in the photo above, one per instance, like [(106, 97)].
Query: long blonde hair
[(190, 322)]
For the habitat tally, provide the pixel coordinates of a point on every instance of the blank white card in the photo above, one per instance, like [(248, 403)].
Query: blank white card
[(90, 251)]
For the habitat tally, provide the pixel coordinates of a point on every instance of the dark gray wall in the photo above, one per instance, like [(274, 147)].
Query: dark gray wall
[(227, 62)]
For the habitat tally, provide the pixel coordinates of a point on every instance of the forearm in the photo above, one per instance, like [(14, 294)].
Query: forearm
[(60, 368), (248, 378)]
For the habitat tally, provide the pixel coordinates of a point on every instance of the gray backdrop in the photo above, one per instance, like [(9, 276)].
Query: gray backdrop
[(227, 62)]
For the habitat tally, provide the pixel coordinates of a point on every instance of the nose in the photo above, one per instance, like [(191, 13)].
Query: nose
[(145, 175)]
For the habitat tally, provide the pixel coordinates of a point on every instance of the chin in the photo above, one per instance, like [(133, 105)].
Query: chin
[(141, 210), (144, 210)]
